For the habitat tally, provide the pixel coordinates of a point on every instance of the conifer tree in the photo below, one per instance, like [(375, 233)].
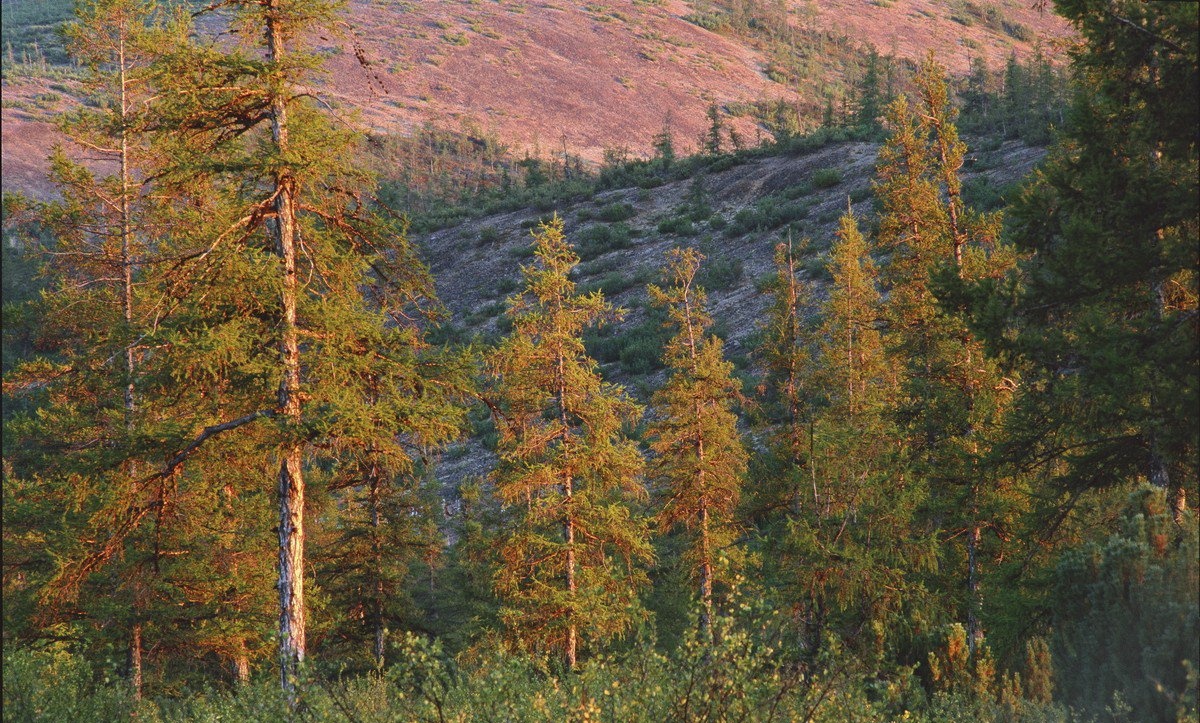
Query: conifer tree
[(788, 391), (699, 459), (952, 396), (870, 96), (96, 313), (712, 142), (861, 550), (1102, 314), (302, 307), (574, 552)]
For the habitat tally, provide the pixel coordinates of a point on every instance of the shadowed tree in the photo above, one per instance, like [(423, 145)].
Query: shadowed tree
[(699, 460)]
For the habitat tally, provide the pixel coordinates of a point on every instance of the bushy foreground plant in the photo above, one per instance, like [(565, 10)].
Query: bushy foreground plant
[(748, 674)]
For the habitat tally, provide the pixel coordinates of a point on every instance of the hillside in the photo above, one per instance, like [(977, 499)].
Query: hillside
[(549, 78), (734, 209)]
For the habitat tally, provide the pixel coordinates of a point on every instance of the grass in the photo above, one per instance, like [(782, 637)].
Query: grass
[(27, 30)]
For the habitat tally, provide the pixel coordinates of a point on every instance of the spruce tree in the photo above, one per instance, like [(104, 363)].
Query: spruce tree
[(699, 460), (870, 95), (1101, 315), (574, 552)]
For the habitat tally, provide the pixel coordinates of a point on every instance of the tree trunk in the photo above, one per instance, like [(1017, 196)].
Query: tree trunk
[(974, 598), (572, 633), (135, 660), (135, 634), (291, 478), (377, 554), (241, 664), (568, 521), (706, 576)]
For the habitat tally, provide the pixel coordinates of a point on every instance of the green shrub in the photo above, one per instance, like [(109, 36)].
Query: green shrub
[(1018, 31), (54, 685), (521, 251), (724, 163), (860, 194), (744, 221), (489, 235), (536, 221), (776, 216), (826, 178), (506, 285), (1126, 620), (615, 212), (720, 273), (678, 225), (797, 191), (598, 240)]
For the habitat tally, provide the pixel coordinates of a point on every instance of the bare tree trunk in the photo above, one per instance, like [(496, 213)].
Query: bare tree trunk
[(706, 576), (135, 636), (135, 660), (572, 642), (572, 633), (291, 477)]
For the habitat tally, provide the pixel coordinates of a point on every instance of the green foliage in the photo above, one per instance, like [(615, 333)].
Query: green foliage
[(615, 212), (1099, 315), (826, 178), (595, 241), (566, 468), (52, 684), (28, 35), (698, 458), (896, 511), (677, 225), (720, 273), (1141, 587)]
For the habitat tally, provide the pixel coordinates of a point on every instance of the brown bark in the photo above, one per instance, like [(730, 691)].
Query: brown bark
[(241, 664), (135, 660), (377, 554), (569, 523)]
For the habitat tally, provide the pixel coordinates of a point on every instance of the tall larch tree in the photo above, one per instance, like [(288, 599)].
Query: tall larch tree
[(698, 458), (788, 391), (856, 544), (952, 396), (574, 553), (302, 308)]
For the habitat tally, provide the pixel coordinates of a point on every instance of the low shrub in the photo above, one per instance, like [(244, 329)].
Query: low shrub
[(826, 178), (615, 212)]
